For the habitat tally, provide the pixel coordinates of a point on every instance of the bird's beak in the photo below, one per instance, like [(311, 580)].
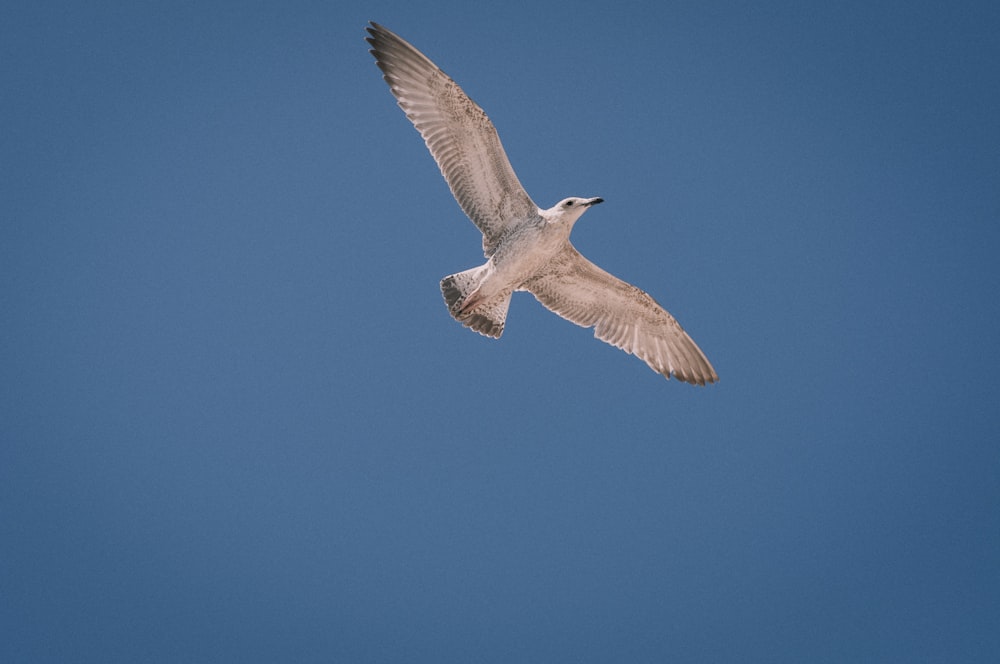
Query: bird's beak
[(595, 201)]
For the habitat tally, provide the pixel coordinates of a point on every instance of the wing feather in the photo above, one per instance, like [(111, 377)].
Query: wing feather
[(459, 135), (621, 315)]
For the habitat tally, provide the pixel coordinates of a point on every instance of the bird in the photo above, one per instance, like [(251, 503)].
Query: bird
[(527, 248)]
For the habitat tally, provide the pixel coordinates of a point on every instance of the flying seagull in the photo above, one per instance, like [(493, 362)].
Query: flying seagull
[(527, 248)]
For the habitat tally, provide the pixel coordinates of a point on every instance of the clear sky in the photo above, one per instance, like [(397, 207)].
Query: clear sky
[(238, 423)]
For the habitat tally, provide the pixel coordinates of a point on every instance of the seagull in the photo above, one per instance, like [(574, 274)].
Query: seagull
[(527, 248)]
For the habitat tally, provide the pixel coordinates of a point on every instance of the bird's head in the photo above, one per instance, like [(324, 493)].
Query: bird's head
[(570, 209)]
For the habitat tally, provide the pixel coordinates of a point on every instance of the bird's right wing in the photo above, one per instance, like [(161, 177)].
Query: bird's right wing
[(621, 315), (459, 135)]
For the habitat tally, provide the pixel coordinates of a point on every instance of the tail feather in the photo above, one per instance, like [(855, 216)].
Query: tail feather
[(485, 317), (457, 287)]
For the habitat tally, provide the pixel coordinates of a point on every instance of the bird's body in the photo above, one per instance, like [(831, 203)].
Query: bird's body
[(527, 248)]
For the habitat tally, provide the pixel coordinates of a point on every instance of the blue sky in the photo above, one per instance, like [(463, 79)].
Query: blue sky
[(238, 423)]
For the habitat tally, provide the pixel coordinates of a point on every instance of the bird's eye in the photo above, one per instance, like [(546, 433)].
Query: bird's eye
[(568, 203)]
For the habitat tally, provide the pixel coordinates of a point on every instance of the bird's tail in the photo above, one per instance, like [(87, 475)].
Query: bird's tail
[(461, 295)]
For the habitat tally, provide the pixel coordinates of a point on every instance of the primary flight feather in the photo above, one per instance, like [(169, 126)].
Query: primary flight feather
[(527, 248)]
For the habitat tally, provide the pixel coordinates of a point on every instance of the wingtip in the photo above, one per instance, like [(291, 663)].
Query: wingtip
[(373, 29), (699, 379), (703, 381)]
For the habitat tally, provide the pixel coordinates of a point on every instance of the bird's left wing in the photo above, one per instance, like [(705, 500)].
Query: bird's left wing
[(459, 135), (621, 315)]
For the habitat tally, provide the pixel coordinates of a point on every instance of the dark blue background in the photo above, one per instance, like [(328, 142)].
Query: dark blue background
[(238, 423)]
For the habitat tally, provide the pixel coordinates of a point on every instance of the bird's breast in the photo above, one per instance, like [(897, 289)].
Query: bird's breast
[(524, 251)]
